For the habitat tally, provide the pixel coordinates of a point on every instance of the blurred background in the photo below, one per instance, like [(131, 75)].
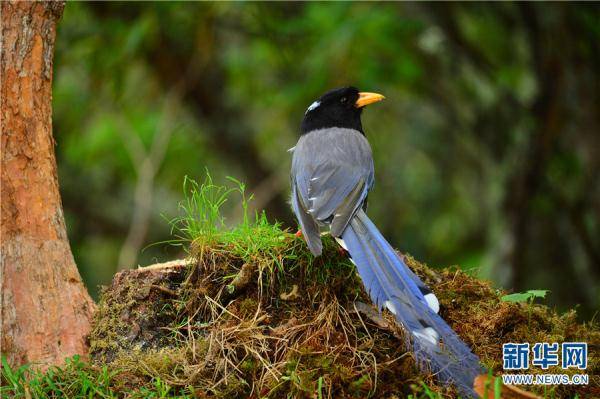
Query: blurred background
[(487, 149)]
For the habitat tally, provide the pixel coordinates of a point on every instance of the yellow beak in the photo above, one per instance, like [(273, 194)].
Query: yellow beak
[(366, 98)]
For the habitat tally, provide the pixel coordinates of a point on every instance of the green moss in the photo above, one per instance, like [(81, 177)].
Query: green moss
[(361, 386), (110, 325), (248, 306)]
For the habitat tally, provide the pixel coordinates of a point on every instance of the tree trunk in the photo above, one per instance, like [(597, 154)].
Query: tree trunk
[(46, 309)]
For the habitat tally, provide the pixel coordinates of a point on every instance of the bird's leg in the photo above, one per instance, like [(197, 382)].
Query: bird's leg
[(342, 250), (298, 233)]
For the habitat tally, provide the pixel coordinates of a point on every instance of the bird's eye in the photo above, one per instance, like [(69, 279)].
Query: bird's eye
[(343, 100)]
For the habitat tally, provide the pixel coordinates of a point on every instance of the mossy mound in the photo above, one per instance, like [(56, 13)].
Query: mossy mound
[(282, 324)]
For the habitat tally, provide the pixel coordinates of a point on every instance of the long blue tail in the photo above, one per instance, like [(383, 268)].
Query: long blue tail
[(392, 285)]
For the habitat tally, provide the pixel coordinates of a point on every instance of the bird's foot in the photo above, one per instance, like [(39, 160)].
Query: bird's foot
[(298, 233), (342, 248)]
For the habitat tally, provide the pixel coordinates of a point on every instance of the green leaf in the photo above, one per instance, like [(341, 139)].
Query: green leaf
[(538, 293), (517, 297), (524, 296)]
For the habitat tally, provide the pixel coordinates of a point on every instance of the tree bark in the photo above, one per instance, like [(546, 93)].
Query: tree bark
[(46, 309)]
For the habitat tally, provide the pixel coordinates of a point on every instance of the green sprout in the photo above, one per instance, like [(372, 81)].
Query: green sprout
[(525, 297)]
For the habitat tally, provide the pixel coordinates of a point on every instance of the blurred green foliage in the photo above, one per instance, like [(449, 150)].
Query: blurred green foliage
[(487, 149)]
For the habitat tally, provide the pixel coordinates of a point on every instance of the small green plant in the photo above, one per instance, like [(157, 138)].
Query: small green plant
[(428, 393), (525, 297), (201, 228), (201, 222), (497, 385), (200, 211)]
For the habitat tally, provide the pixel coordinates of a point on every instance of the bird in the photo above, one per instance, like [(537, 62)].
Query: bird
[(331, 175)]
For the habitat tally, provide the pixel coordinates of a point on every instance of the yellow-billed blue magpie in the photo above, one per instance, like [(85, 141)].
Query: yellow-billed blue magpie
[(332, 173)]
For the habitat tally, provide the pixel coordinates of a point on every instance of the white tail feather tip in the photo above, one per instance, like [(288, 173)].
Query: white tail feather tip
[(390, 306), (433, 302), (428, 334)]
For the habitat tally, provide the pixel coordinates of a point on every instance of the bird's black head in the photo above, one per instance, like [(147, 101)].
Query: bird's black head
[(338, 108)]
